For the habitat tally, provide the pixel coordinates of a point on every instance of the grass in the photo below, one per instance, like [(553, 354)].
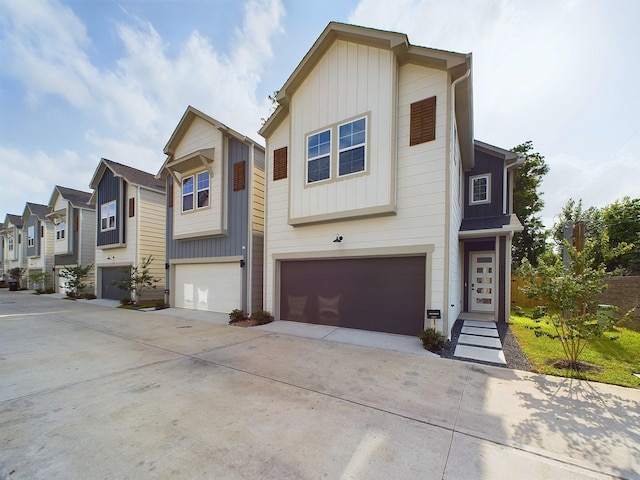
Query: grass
[(617, 359)]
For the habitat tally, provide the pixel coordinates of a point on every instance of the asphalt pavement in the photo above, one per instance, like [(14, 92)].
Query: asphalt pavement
[(88, 391)]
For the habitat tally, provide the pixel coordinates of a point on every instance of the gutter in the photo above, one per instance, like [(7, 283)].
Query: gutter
[(519, 161)]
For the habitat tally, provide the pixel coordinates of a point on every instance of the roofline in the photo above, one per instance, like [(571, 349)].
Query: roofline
[(506, 155), (104, 163), (57, 188)]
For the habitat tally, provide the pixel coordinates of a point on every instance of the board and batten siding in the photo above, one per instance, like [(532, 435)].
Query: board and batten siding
[(150, 212), (110, 188), (202, 135), (456, 249), (348, 82), (64, 248)]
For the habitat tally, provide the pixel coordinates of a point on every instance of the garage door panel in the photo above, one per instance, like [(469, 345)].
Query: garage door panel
[(382, 294), (111, 275), (213, 287)]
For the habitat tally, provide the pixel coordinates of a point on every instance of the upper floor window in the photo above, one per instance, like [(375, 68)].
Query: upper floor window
[(480, 186), (195, 187), (351, 149), (108, 216), (10, 243), (60, 230), (31, 236), (319, 156)]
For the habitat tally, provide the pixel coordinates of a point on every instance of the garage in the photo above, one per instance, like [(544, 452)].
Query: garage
[(213, 287), (384, 294), (109, 275)]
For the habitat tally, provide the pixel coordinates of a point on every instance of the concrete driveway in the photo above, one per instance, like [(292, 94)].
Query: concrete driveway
[(90, 392)]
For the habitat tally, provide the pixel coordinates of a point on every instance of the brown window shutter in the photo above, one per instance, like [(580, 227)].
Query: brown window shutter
[(239, 174), (76, 223), (280, 163), (132, 207), (171, 195), (423, 121), (42, 231)]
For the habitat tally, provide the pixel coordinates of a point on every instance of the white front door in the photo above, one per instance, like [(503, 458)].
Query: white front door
[(482, 287)]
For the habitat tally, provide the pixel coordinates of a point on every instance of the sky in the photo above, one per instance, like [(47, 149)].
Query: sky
[(82, 80)]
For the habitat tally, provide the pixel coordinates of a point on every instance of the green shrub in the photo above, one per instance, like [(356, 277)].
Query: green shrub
[(262, 317), (237, 315), (432, 340), (538, 312)]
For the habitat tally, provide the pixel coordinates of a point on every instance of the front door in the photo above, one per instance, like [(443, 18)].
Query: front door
[(482, 287)]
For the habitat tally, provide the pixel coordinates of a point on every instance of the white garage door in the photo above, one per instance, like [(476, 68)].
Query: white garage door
[(214, 287)]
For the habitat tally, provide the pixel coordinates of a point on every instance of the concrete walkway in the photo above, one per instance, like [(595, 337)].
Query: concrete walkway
[(480, 340), (93, 392)]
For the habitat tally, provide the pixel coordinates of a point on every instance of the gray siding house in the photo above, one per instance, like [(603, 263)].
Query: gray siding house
[(214, 216), (75, 233), (13, 253), (37, 235)]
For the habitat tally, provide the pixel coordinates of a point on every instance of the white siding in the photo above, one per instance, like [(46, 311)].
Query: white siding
[(63, 246), (349, 81), (201, 135), (421, 176), (456, 248)]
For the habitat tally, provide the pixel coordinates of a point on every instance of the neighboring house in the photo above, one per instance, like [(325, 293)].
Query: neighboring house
[(38, 234), (75, 232), (366, 181), (12, 238), (215, 216), (130, 225)]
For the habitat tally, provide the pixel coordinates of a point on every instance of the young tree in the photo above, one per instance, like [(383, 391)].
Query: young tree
[(74, 279), (139, 280), (38, 280), (527, 204)]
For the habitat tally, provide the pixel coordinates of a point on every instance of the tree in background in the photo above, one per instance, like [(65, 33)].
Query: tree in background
[(527, 205)]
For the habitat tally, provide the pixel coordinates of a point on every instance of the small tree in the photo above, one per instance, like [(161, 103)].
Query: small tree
[(139, 279), (74, 279), (38, 280), (570, 296), (15, 275)]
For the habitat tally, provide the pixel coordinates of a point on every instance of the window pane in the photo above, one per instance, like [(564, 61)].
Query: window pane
[(318, 169), (203, 198), (103, 223), (112, 222), (187, 202), (352, 161), (203, 180), (187, 185)]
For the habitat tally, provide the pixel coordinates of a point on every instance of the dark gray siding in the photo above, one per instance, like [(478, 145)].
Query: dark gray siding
[(35, 249), (485, 163), (109, 190)]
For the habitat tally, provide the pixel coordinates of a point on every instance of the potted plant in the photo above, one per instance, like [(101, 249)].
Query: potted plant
[(15, 275)]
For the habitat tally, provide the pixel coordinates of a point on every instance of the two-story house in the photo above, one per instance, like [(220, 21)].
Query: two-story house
[(38, 233), (12, 238), (215, 216), (75, 232), (130, 226), (367, 174)]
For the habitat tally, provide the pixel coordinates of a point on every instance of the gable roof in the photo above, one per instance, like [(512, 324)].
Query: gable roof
[(457, 64), (506, 155), (77, 198), (132, 176), (15, 220), (37, 210)]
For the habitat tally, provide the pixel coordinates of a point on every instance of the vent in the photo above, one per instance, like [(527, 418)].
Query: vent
[(423, 121)]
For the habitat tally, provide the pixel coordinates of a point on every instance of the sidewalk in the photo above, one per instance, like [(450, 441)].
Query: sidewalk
[(93, 392)]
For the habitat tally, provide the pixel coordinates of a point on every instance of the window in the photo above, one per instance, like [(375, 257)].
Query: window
[(30, 236), (201, 191), (60, 230), (10, 244), (351, 150), (319, 156), (480, 189), (108, 216)]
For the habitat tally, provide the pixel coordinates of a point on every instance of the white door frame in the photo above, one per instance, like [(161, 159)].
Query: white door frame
[(482, 284)]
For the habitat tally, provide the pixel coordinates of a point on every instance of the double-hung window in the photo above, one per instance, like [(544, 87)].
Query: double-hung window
[(31, 236), (480, 189), (352, 146), (108, 216), (10, 243), (195, 187), (319, 156), (60, 230)]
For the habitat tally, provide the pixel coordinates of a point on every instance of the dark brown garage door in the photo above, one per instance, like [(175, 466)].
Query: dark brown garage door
[(384, 294)]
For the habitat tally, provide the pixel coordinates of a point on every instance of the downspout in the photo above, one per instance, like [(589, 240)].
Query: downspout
[(519, 161), (249, 251), (452, 150)]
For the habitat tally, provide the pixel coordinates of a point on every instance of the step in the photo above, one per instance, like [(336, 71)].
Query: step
[(481, 354), (479, 324), (485, 332), (478, 341)]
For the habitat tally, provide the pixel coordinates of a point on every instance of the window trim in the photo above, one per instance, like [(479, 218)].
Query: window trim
[(31, 239), (10, 243), (107, 206), (195, 192), (472, 180), (318, 157), (353, 147), (61, 231)]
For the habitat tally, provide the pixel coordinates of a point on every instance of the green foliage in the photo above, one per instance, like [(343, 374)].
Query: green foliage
[(139, 279), (527, 204), (38, 281), (571, 298), (262, 317), (538, 312), (237, 315), (15, 274), (74, 279), (432, 340)]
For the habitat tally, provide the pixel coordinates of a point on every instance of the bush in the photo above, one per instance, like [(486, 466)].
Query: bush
[(237, 315), (538, 312), (262, 317), (432, 340)]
